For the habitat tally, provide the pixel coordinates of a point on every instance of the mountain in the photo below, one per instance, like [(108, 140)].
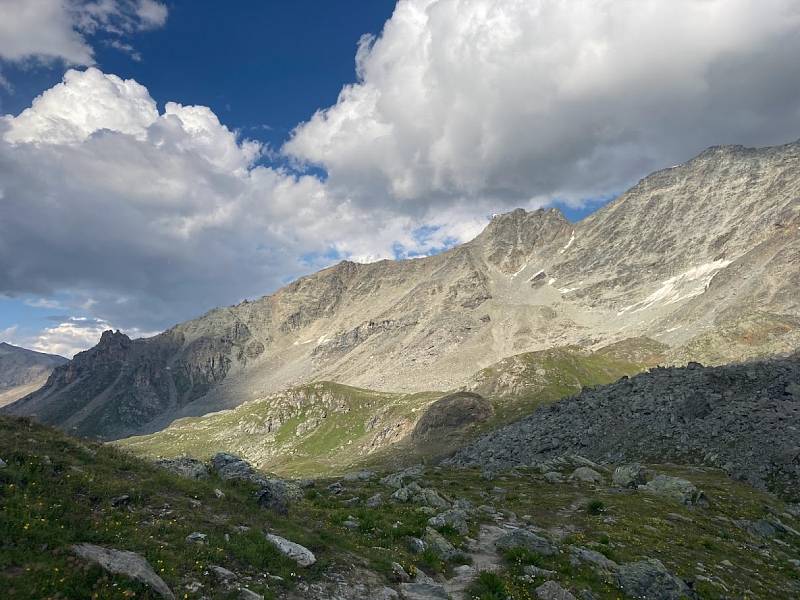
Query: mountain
[(23, 371), (703, 258), (743, 418)]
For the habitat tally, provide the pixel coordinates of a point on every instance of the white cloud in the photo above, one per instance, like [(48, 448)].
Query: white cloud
[(9, 334), (74, 335), (58, 29), (147, 218), (523, 98)]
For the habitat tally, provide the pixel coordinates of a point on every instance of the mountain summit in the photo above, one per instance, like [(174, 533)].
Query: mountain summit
[(703, 257)]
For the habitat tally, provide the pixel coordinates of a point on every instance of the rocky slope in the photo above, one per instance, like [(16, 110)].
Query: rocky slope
[(83, 520), (703, 257), (23, 371), (742, 418), (326, 427)]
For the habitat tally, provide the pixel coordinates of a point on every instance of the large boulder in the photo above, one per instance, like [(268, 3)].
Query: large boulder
[(274, 495), (629, 476), (522, 538), (299, 554), (128, 564), (450, 415), (650, 579), (400, 478), (676, 488), (438, 544)]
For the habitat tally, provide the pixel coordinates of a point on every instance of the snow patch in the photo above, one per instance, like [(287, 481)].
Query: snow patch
[(569, 243), (687, 285)]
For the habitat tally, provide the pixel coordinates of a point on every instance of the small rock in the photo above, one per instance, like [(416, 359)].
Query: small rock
[(534, 571), (363, 475), (629, 476), (423, 591), (455, 518), (222, 574), (416, 545), (586, 474), (521, 538), (553, 477), (350, 502), (399, 573), (3, 464), (245, 594), (552, 591), (351, 523), (300, 554), (336, 488), (121, 562), (197, 538), (650, 579), (594, 558), (374, 501), (123, 500), (219, 493)]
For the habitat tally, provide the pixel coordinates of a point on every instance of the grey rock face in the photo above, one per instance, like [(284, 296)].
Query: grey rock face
[(231, 467), (121, 562), (300, 554), (629, 476), (747, 425), (521, 538), (650, 579)]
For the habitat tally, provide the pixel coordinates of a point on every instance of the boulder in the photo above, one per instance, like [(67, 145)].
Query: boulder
[(399, 574), (534, 571), (553, 477), (585, 555), (455, 518), (586, 474), (222, 574), (676, 488), (629, 476), (423, 591), (439, 544), (397, 480), (374, 501), (245, 594), (128, 564), (362, 475), (185, 467), (522, 538), (197, 538), (552, 591), (650, 579), (299, 554), (234, 468), (274, 495)]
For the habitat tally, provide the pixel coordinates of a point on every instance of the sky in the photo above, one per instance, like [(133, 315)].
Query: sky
[(162, 157)]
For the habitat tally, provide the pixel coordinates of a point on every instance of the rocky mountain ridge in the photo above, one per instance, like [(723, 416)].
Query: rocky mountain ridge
[(22, 371), (703, 258)]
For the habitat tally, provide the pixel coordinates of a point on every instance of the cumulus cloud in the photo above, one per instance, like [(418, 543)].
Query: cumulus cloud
[(541, 98), (145, 218), (58, 29)]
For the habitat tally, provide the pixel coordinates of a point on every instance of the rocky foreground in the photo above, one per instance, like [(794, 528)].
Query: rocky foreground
[(744, 419), (83, 520)]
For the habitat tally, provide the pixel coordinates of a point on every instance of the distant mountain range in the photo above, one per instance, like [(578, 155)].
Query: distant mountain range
[(702, 260), (24, 371)]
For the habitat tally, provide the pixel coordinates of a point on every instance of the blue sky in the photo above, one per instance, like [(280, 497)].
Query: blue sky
[(162, 157)]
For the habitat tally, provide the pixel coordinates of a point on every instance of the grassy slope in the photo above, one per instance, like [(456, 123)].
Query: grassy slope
[(325, 427), (57, 491)]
